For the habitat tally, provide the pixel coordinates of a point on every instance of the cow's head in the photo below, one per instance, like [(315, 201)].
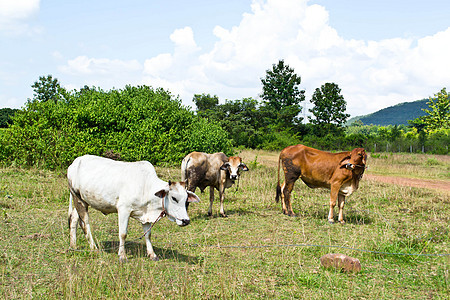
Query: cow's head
[(358, 156), (175, 200), (234, 165), (356, 161)]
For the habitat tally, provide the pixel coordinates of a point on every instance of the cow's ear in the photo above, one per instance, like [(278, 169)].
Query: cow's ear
[(243, 167), (192, 197), (344, 161), (225, 166), (161, 193)]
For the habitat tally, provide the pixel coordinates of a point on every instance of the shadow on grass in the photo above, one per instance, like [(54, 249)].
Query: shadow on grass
[(135, 249), (231, 212), (351, 216)]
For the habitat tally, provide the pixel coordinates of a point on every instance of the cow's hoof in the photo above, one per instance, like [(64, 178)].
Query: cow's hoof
[(342, 222), (223, 215), (331, 222), (123, 260), (153, 256), (209, 214)]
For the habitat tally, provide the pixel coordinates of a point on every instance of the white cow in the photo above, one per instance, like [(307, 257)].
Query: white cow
[(131, 189)]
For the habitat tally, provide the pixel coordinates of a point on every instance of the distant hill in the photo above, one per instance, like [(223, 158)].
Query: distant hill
[(394, 115)]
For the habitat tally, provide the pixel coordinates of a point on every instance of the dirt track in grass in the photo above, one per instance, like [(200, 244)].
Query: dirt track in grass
[(420, 183)]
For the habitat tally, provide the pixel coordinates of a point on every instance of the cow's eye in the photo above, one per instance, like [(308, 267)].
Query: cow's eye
[(175, 199)]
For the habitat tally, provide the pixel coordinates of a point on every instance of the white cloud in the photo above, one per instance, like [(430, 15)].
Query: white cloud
[(83, 65), (101, 72), (158, 64), (175, 65), (429, 60), (14, 15), (178, 71), (184, 40)]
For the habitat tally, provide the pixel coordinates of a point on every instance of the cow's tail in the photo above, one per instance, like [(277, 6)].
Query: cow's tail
[(70, 208), (277, 197)]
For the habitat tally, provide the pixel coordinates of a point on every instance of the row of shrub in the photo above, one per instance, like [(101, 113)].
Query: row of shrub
[(372, 138), (435, 143)]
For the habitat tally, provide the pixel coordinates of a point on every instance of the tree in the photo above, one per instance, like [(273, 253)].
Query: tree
[(329, 109), (438, 114), (205, 102), (281, 96), (240, 118), (47, 88), (5, 116)]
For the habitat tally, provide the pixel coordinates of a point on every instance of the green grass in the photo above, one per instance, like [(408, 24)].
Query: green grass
[(421, 166), (256, 252)]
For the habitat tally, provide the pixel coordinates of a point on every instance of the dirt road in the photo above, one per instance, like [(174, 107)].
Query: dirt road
[(420, 183)]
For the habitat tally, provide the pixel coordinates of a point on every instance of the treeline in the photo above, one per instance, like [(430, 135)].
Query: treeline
[(275, 122), (248, 127)]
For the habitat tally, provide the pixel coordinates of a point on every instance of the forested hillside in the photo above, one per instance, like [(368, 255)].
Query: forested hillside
[(398, 114)]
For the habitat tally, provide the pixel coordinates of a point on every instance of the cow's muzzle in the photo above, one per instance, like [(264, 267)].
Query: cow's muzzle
[(233, 177), (185, 222)]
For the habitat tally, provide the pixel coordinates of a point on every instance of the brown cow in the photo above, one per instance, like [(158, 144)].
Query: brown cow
[(215, 170), (339, 172)]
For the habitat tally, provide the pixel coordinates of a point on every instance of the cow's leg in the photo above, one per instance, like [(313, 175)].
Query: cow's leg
[(82, 211), (147, 230), (191, 189), (73, 224), (341, 202), (222, 197), (287, 209), (124, 217), (283, 203), (291, 174), (211, 200), (333, 197)]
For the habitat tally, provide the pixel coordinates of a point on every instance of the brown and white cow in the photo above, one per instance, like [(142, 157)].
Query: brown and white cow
[(130, 189), (339, 172), (215, 170)]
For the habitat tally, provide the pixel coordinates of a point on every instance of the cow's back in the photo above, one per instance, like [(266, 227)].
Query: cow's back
[(203, 169)]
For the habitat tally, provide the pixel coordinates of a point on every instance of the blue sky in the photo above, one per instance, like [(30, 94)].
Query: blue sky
[(380, 53)]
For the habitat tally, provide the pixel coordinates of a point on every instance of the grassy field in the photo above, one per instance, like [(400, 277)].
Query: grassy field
[(256, 252)]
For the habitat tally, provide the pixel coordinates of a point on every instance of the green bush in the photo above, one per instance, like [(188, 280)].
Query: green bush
[(205, 136), (277, 140), (136, 123)]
